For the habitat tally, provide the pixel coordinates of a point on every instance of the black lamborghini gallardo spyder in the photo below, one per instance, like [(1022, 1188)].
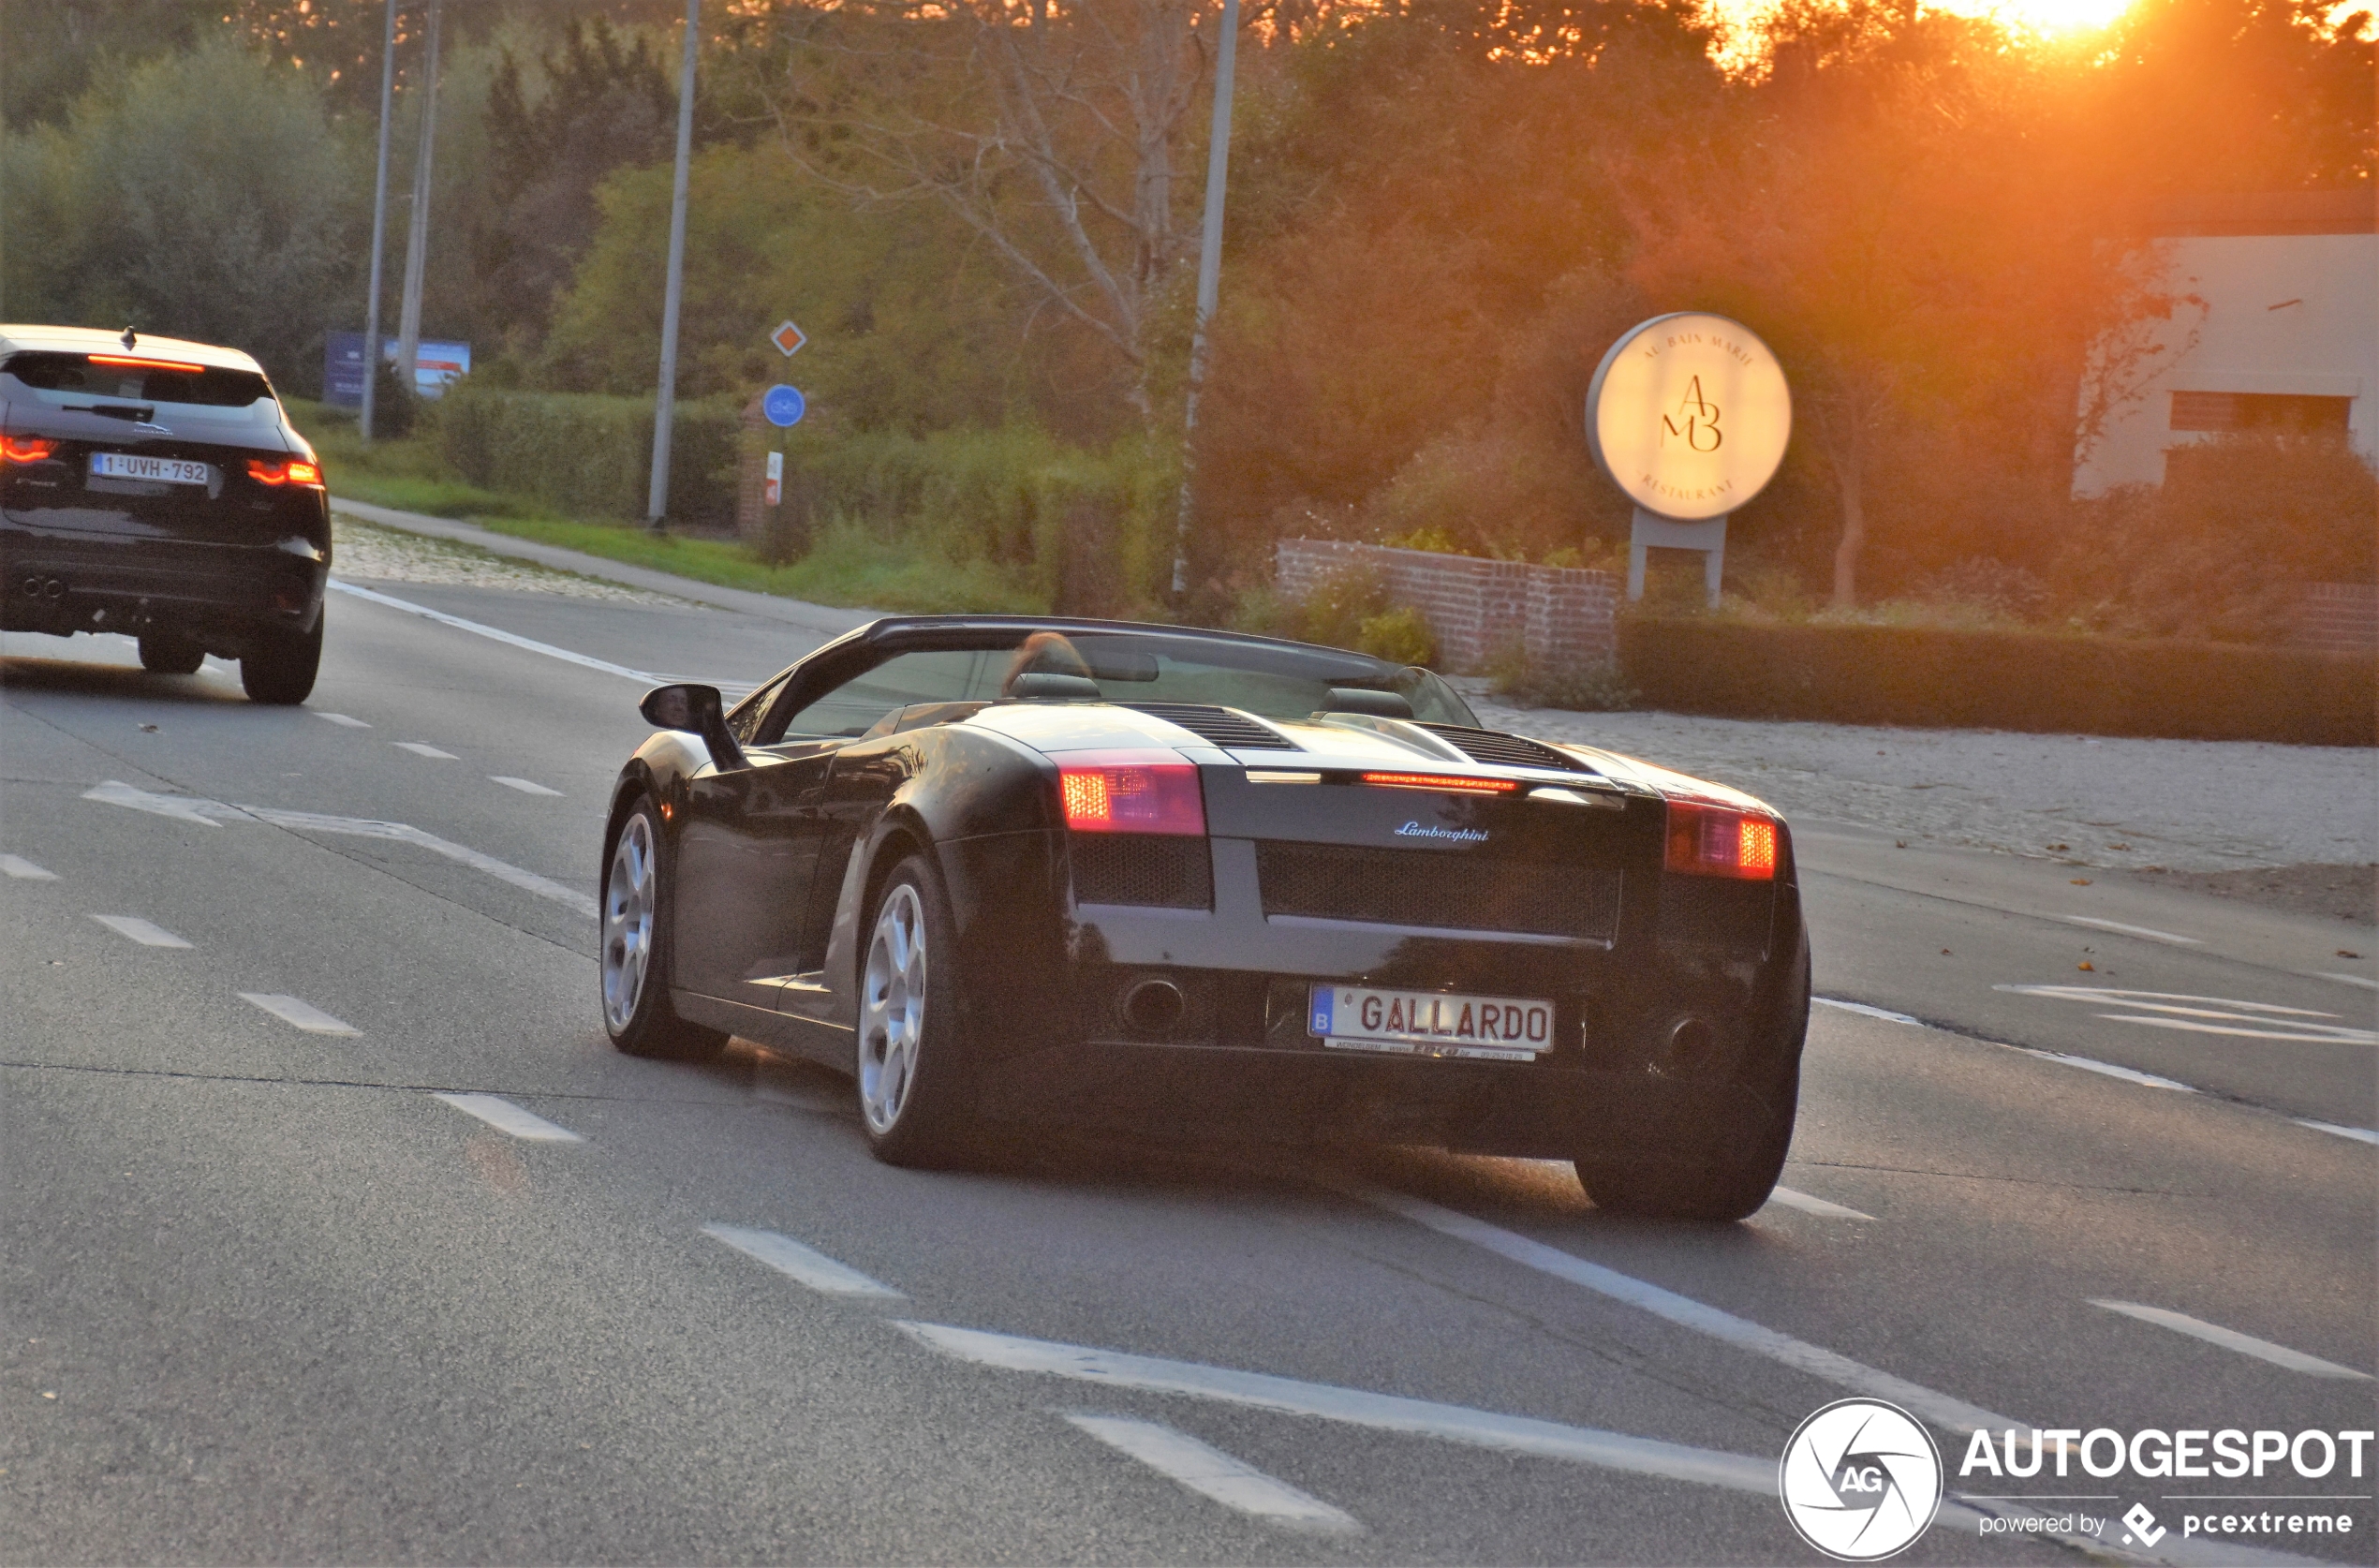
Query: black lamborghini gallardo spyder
[(1015, 869)]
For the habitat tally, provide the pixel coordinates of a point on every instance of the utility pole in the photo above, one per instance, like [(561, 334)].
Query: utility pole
[(1209, 282), (379, 230), (417, 232), (665, 401)]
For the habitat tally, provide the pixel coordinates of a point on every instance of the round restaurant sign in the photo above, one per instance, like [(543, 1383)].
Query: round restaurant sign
[(1688, 414)]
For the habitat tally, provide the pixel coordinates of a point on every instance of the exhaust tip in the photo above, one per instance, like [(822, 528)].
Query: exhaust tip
[(1691, 1044), (1153, 1008)]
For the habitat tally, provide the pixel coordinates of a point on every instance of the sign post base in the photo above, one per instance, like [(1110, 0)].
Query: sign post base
[(1651, 530)]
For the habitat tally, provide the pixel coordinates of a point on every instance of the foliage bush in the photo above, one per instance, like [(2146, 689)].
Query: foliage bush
[(590, 456)]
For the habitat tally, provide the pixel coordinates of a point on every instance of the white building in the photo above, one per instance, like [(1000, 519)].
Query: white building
[(2286, 336)]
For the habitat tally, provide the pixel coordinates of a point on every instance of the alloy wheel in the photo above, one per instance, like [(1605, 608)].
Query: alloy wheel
[(628, 922), (892, 1008)]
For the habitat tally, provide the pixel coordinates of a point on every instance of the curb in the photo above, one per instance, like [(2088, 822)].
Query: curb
[(825, 620)]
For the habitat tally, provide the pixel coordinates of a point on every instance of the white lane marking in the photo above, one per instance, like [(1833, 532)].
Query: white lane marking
[(1886, 1013), (1515, 1434), (808, 1264), (140, 930), (2307, 1034), (1808, 1205), (504, 1117), (305, 1015), (1215, 1474), (2230, 1339), (341, 719), (2128, 1075), (1357, 1407), (726, 688), (2360, 1134), (2364, 981), (24, 870), (2147, 931), (1686, 1312), (421, 749), (525, 786), (2173, 1010), (211, 813)]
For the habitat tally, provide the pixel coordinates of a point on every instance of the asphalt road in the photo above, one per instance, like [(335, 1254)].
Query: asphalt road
[(267, 1296)]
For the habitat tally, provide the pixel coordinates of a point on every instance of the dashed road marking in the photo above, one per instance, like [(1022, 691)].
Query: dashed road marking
[(305, 1014), (2107, 1069), (341, 719), (525, 786), (2147, 931), (24, 870), (805, 1263), (1884, 1013), (2364, 981), (211, 813), (140, 930), (2360, 1134), (504, 1117), (1215, 1474), (422, 748), (1808, 1205), (1686, 1312), (2230, 1339), (2229, 1016)]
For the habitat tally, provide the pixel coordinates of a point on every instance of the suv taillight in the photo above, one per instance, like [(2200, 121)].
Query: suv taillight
[(1720, 841), (295, 471), (1130, 791), (26, 449)]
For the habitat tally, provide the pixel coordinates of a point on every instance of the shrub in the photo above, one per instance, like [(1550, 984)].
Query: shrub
[(1400, 635), (590, 456)]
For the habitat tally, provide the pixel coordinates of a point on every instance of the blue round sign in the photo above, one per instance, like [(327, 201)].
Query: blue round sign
[(784, 405)]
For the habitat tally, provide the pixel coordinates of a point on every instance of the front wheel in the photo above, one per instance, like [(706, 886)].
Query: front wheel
[(634, 959), (911, 1100), (280, 668), (166, 653)]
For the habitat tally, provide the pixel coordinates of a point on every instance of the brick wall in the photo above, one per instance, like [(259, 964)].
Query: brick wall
[(1564, 617), (2339, 618)]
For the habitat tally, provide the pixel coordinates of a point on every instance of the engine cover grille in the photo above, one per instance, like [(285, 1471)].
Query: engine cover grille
[(1498, 749), (1217, 726), (1168, 871), (1405, 887)]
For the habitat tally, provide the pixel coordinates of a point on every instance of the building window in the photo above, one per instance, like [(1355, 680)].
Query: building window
[(2223, 412)]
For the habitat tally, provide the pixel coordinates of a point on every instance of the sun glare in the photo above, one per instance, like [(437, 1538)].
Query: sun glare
[(2045, 19)]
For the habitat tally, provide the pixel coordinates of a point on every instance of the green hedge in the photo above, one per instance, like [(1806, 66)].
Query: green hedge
[(1089, 532), (589, 456), (2028, 680)]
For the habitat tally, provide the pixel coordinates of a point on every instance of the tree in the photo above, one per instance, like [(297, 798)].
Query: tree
[(1051, 134)]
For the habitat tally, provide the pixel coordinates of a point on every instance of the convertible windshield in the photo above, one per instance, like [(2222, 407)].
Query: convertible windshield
[(1271, 679)]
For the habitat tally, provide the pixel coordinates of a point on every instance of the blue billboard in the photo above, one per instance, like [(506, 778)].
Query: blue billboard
[(435, 367)]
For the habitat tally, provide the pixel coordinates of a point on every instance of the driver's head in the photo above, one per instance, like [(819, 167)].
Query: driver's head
[(1045, 653)]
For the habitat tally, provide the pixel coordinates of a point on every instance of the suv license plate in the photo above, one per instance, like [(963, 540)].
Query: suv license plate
[(1431, 1023), (156, 470)]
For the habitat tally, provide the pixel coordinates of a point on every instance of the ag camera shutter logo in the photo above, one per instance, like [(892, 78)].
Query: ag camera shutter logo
[(1860, 1479)]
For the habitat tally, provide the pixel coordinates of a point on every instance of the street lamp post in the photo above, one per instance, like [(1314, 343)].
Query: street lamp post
[(665, 402), (379, 230), (1209, 282), (417, 233)]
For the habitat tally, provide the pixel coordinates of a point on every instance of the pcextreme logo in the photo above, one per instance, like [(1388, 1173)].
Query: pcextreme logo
[(1860, 1479)]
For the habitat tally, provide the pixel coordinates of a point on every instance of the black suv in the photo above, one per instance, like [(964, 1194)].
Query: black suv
[(154, 487)]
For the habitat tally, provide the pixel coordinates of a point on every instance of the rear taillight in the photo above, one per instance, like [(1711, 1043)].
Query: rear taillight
[(1720, 842), (295, 471), (1130, 791), (26, 449)]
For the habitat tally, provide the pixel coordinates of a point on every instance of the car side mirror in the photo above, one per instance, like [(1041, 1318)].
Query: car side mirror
[(694, 710)]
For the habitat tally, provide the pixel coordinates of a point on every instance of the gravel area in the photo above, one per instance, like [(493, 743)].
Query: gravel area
[(388, 556), (2185, 805)]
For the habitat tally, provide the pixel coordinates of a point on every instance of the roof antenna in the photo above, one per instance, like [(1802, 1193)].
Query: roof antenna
[(131, 337)]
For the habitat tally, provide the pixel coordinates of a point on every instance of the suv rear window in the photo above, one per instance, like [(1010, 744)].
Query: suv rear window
[(138, 379)]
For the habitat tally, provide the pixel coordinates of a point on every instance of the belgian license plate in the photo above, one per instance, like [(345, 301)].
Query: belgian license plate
[(1431, 1023), (156, 470)]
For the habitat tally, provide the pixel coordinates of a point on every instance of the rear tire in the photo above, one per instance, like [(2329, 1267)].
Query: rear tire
[(166, 653), (279, 669), (632, 963), (913, 1099)]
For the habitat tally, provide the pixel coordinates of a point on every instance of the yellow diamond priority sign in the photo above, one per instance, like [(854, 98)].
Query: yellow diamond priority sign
[(787, 338)]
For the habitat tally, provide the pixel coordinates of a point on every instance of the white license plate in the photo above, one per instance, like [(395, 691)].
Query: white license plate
[(156, 470), (1431, 1023)]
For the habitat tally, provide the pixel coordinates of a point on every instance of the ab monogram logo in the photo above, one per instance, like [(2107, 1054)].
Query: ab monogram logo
[(1700, 430)]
